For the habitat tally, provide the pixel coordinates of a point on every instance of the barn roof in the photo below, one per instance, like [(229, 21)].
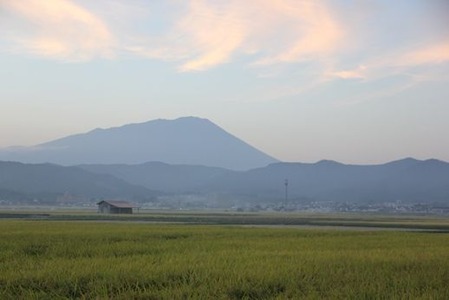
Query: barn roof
[(120, 204)]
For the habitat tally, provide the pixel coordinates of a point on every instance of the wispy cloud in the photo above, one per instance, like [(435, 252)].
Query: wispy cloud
[(211, 33), (357, 73), (201, 34), (58, 29), (414, 66), (402, 62), (301, 30), (433, 54)]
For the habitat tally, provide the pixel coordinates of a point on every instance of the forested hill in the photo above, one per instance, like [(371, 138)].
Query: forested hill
[(48, 183)]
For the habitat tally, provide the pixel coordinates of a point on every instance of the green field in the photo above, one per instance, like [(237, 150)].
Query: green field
[(123, 260)]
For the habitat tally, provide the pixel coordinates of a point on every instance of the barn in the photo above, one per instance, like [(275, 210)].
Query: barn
[(115, 207)]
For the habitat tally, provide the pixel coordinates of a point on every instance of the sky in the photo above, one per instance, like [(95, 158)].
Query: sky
[(360, 82)]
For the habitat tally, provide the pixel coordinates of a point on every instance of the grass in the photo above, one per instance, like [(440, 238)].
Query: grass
[(122, 260), (98, 260)]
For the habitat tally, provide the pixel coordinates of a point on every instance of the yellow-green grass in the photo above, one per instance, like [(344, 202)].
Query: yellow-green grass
[(96, 260)]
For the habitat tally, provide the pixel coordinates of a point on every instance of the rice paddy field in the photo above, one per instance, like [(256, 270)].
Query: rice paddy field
[(55, 259)]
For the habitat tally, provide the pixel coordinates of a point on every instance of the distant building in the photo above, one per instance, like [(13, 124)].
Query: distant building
[(115, 207)]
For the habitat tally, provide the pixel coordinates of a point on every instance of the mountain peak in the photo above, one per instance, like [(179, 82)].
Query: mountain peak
[(190, 118), (408, 161), (326, 162), (186, 140)]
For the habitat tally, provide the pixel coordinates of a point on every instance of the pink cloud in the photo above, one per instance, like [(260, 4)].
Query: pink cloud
[(203, 33), (211, 33), (308, 30), (433, 54), (59, 29), (358, 73)]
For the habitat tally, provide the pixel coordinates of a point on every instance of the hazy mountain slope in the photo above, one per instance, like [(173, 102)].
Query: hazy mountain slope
[(162, 176), (405, 180), (50, 181), (13, 196), (188, 140)]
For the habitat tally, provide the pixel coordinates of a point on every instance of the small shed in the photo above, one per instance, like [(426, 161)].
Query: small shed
[(115, 207)]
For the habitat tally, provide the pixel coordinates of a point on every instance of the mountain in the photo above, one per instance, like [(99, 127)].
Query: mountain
[(50, 183), (188, 140), (162, 176), (407, 180)]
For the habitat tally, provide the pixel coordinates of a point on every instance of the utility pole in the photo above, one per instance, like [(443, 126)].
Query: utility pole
[(286, 191)]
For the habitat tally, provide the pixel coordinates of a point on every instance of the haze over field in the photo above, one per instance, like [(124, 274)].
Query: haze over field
[(352, 81)]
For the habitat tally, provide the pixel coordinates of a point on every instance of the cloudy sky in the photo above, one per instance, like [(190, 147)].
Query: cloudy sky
[(348, 80)]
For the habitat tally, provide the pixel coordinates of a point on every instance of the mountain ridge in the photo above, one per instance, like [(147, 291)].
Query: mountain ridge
[(186, 140), (407, 181), (50, 182)]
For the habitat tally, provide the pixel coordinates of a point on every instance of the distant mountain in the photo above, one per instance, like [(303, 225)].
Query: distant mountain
[(50, 183), (162, 176), (189, 140), (406, 180)]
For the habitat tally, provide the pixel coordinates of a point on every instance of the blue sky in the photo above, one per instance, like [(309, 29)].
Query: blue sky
[(352, 81)]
